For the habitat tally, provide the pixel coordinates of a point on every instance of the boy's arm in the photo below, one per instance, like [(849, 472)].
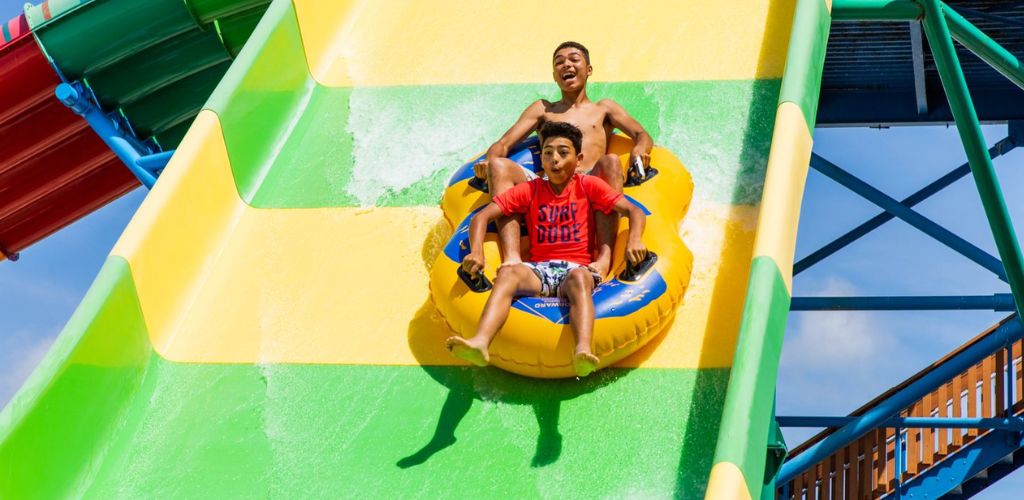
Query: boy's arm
[(526, 123), (474, 262), (635, 249), (621, 120)]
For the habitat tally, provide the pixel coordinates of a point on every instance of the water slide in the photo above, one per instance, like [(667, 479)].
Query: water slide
[(150, 64), (263, 327)]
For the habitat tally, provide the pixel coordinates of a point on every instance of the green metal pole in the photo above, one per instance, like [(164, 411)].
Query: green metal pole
[(875, 10), (967, 125), (984, 47)]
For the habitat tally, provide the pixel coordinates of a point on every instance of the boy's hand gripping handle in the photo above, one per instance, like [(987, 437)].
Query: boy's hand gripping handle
[(478, 184), (638, 175), (635, 272), (477, 283)]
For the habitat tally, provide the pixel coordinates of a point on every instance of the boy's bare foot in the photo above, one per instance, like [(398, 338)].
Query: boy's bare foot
[(601, 268), (602, 261), (584, 363), (465, 349)]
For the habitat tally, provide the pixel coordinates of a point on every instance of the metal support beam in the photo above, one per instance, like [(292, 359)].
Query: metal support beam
[(842, 107), (979, 43), (1015, 131), (128, 148), (988, 15), (997, 302), (875, 10), (908, 215), (891, 406), (941, 43), (917, 52), (155, 162), (1000, 148)]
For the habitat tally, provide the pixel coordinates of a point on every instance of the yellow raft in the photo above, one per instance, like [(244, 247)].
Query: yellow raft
[(537, 340)]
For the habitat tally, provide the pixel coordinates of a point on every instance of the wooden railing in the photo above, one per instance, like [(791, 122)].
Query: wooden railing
[(866, 467)]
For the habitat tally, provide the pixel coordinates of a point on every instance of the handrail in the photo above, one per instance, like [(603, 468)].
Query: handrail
[(898, 401), (1002, 423), (866, 465), (802, 447), (996, 302)]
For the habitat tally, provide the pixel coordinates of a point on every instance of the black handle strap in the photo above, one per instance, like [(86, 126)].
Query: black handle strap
[(478, 184), (635, 272), (477, 283), (634, 179)]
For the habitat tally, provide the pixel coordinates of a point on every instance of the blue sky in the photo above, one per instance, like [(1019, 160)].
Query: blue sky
[(831, 363), (47, 283), (823, 350)]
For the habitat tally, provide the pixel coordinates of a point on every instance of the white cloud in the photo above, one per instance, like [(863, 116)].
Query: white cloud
[(833, 362), (19, 355), (833, 339)]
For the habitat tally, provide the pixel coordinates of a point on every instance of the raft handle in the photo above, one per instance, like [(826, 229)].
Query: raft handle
[(478, 283), (478, 184), (638, 175), (635, 272)]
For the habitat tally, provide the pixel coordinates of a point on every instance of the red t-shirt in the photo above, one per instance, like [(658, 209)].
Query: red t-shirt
[(559, 226)]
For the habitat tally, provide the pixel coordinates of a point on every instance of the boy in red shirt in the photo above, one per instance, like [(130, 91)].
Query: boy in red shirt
[(571, 69), (557, 211)]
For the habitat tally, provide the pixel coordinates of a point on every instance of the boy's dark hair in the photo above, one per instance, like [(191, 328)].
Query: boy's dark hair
[(575, 45), (550, 130)]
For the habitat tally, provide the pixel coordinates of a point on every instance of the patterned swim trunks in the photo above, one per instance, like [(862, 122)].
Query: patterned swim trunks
[(553, 272)]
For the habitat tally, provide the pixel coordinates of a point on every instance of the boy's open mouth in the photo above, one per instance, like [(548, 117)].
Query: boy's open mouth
[(568, 76)]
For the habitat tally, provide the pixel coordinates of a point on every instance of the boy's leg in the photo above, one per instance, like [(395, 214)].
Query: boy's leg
[(502, 174), (578, 287), (609, 169), (512, 281)]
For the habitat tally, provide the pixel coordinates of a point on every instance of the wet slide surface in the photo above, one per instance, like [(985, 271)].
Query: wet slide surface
[(263, 327)]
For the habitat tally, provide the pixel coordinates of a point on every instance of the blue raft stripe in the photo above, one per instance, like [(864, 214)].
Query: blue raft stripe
[(612, 299), (457, 247), (525, 153), (638, 204)]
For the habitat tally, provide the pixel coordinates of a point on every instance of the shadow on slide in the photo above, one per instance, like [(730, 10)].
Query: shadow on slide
[(545, 396), (427, 332)]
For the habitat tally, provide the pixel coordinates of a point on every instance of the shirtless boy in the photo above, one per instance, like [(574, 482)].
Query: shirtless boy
[(571, 69), (557, 214)]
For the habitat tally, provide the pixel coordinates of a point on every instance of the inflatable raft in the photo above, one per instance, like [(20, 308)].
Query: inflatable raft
[(631, 305)]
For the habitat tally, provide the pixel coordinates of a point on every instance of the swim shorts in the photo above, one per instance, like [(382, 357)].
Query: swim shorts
[(553, 272)]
